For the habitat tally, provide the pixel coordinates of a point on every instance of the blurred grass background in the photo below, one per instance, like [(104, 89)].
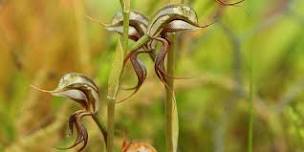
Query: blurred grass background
[(41, 40)]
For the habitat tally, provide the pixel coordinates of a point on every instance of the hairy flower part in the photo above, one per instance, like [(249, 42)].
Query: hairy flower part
[(129, 146), (84, 91)]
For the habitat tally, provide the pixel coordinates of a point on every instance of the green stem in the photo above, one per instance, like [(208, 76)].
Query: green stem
[(170, 98), (139, 43), (251, 108), (125, 5), (111, 116), (170, 104), (115, 82), (101, 128)]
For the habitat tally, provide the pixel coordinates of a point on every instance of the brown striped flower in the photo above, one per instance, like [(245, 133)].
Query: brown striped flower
[(85, 92), (138, 24), (169, 19), (172, 18)]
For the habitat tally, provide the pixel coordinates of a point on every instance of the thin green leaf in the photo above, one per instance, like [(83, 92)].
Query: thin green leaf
[(117, 65), (175, 125)]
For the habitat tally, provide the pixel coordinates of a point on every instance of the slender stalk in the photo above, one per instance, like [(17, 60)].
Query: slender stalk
[(170, 103), (111, 116), (125, 6), (113, 88), (114, 81), (172, 126), (139, 43), (170, 97), (101, 127), (251, 108)]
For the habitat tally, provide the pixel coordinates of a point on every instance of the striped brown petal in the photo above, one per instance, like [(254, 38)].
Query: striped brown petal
[(84, 91), (159, 64), (79, 88), (173, 18), (137, 25), (139, 69), (82, 134)]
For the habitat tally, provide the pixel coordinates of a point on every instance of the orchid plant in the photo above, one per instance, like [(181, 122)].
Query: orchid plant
[(85, 92), (146, 34)]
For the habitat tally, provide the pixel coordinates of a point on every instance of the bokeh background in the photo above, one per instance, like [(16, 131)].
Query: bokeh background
[(41, 40)]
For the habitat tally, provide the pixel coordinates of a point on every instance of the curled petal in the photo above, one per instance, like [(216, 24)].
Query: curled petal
[(139, 69), (160, 60), (81, 131), (159, 64)]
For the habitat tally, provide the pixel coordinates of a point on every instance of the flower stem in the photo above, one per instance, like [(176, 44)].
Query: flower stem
[(125, 6), (172, 126), (101, 128), (111, 116), (114, 79), (170, 99)]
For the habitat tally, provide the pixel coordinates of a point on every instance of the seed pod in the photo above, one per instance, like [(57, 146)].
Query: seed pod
[(173, 18), (84, 91), (137, 24)]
